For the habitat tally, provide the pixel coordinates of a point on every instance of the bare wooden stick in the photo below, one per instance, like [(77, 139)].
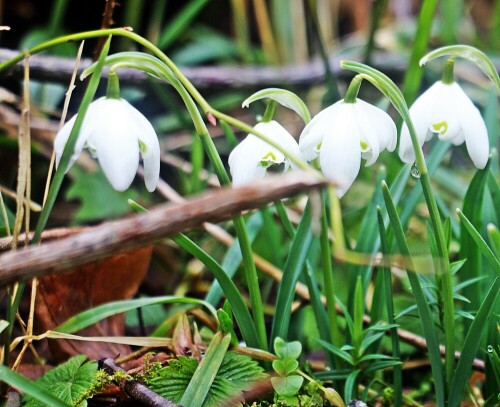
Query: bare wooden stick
[(140, 230), (58, 69)]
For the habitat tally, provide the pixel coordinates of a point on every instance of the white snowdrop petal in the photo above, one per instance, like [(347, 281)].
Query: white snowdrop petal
[(321, 125), (280, 135), (377, 129), (421, 116), (445, 115), (340, 155), (244, 161), (247, 159), (150, 149), (118, 153), (476, 137)]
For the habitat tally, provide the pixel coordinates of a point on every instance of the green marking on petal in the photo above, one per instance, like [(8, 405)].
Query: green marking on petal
[(143, 147), (440, 127), (318, 147), (268, 159), (364, 145)]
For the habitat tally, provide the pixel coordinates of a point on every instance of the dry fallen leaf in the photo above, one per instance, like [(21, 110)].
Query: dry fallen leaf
[(62, 296)]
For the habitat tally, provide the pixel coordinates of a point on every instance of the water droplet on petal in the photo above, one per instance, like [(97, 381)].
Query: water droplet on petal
[(415, 173), (490, 349)]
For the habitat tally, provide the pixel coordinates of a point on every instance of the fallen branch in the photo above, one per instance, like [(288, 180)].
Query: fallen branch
[(140, 230), (135, 390)]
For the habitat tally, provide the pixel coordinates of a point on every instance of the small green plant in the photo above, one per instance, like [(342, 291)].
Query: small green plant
[(360, 361), (287, 384)]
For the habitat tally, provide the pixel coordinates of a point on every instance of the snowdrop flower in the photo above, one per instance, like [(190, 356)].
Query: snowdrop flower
[(445, 109), (250, 159), (116, 134), (342, 134)]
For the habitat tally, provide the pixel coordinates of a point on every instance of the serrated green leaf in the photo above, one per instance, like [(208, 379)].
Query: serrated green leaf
[(283, 97), (69, 382), (287, 386), (236, 374)]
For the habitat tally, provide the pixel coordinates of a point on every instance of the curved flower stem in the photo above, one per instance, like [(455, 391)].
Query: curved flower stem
[(326, 261), (204, 105)]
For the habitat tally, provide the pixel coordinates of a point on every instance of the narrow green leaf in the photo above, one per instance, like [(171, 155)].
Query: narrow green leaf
[(283, 97), (471, 345), (481, 244), (240, 310), (233, 258), (96, 314), (203, 377), (473, 210), (359, 311), (413, 75), (28, 387), (424, 311), (293, 267), (350, 388), (181, 22), (339, 352), (494, 236)]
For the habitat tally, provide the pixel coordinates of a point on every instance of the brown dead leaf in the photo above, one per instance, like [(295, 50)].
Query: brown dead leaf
[(62, 296)]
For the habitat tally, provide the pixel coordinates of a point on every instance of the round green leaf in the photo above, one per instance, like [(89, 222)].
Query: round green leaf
[(285, 366), (287, 386)]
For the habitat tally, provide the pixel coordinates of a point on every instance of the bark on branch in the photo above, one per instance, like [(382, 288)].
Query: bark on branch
[(140, 230)]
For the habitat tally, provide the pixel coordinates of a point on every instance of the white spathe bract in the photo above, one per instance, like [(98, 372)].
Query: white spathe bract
[(445, 109), (116, 134), (342, 134), (250, 159)]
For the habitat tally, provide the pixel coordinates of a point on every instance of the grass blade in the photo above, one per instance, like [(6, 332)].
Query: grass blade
[(473, 209), (481, 244), (181, 22), (96, 314), (398, 370), (421, 300), (240, 310), (293, 268), (28, 387), (203, 377), (471, 345)]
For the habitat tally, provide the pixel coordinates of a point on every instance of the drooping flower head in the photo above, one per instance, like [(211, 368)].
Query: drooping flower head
[(251, 158), (345, 132), (444, 109), (116, 134)]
